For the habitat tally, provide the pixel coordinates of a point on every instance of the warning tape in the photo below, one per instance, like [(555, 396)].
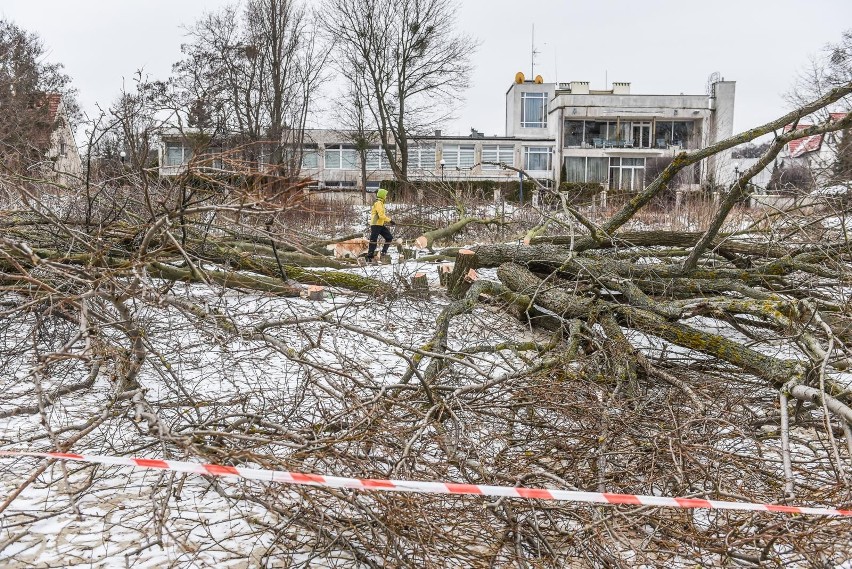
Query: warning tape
[(429, 487)]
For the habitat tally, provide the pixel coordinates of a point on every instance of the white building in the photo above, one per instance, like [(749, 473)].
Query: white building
[(598, 136), (609, 136)]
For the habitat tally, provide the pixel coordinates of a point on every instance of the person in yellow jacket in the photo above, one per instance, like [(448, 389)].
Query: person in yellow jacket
[(379, 222)]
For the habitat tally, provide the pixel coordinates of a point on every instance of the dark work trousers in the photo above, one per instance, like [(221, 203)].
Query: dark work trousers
[(375, 232)]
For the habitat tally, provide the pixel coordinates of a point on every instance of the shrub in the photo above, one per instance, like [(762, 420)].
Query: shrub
[(467, 190), (791, 179)]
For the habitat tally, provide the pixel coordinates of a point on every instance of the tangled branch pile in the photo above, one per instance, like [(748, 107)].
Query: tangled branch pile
[(169, 322)]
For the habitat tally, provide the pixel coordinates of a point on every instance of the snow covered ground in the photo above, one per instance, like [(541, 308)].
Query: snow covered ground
[(74, 515)]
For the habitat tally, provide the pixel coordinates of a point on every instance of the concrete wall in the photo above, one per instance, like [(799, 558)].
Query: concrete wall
[(513, 110), (645, 105), (721, 127)]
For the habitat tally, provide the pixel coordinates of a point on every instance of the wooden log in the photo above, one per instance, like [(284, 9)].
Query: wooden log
[(316, 292), (521, 280), (465, 283), (777, 370), (444, 270), (229, 279), (426, 240), (420, 285), (465, 261)]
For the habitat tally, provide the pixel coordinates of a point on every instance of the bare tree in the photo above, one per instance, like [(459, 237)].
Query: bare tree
[(356, 122), (26, 81), (412, 61), (251, 74), (826, 162)]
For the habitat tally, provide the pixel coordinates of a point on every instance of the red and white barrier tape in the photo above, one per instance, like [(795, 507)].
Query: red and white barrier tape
[(428, 487)]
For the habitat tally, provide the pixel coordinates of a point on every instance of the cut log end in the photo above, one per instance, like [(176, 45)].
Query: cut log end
[(421, 242), (316, 292)]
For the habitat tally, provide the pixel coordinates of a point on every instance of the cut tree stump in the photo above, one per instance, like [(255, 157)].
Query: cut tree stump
[(421, 242), (461, 278), (316, 292), (420, 285), (464, 285), (444, 270), (408, 253)]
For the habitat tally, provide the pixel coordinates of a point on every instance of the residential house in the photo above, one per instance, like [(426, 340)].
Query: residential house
[(37, 138), (818, 152), (64, 164)]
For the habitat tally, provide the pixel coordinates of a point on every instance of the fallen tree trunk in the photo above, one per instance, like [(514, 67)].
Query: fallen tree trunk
[(778, 371), (722, 244), (426, 240), (228, 279), (269, 267), (566, 263)]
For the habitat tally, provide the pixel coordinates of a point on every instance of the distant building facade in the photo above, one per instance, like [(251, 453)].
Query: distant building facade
[(563, 132), (609, 136), (63, 157)]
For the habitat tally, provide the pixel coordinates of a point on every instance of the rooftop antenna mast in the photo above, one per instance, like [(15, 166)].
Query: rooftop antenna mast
[(533, 53)]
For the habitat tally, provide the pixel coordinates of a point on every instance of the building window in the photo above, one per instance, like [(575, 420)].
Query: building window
[(340, 184), (63, 149), (627, 174), (310, 158), (534, 110), (421, 156), (341, 157), (377, 159), (537, 157), (582, 169), (503, 154), (575, 169), (458, 155), (573, 133), (596, 170), (177, 154), (641, 134), (674, 133)]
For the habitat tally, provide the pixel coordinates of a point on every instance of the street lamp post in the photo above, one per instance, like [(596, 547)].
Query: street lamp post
[(443, 163), (122, 155), (521, 187)]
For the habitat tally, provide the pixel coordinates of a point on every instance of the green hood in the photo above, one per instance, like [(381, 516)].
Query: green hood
[(382, 194)]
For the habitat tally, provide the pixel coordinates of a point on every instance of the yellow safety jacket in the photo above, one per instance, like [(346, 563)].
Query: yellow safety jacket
[(377, 214)]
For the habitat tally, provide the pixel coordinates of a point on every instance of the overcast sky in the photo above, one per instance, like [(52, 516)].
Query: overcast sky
[(660, 46)]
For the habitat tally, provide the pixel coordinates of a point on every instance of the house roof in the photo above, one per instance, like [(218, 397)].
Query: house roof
[(53, 100), (802, 146), (47, 123)]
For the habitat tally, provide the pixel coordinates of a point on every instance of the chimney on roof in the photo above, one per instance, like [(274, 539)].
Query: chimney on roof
[(620, 88), (437, 133), (579, 87)]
